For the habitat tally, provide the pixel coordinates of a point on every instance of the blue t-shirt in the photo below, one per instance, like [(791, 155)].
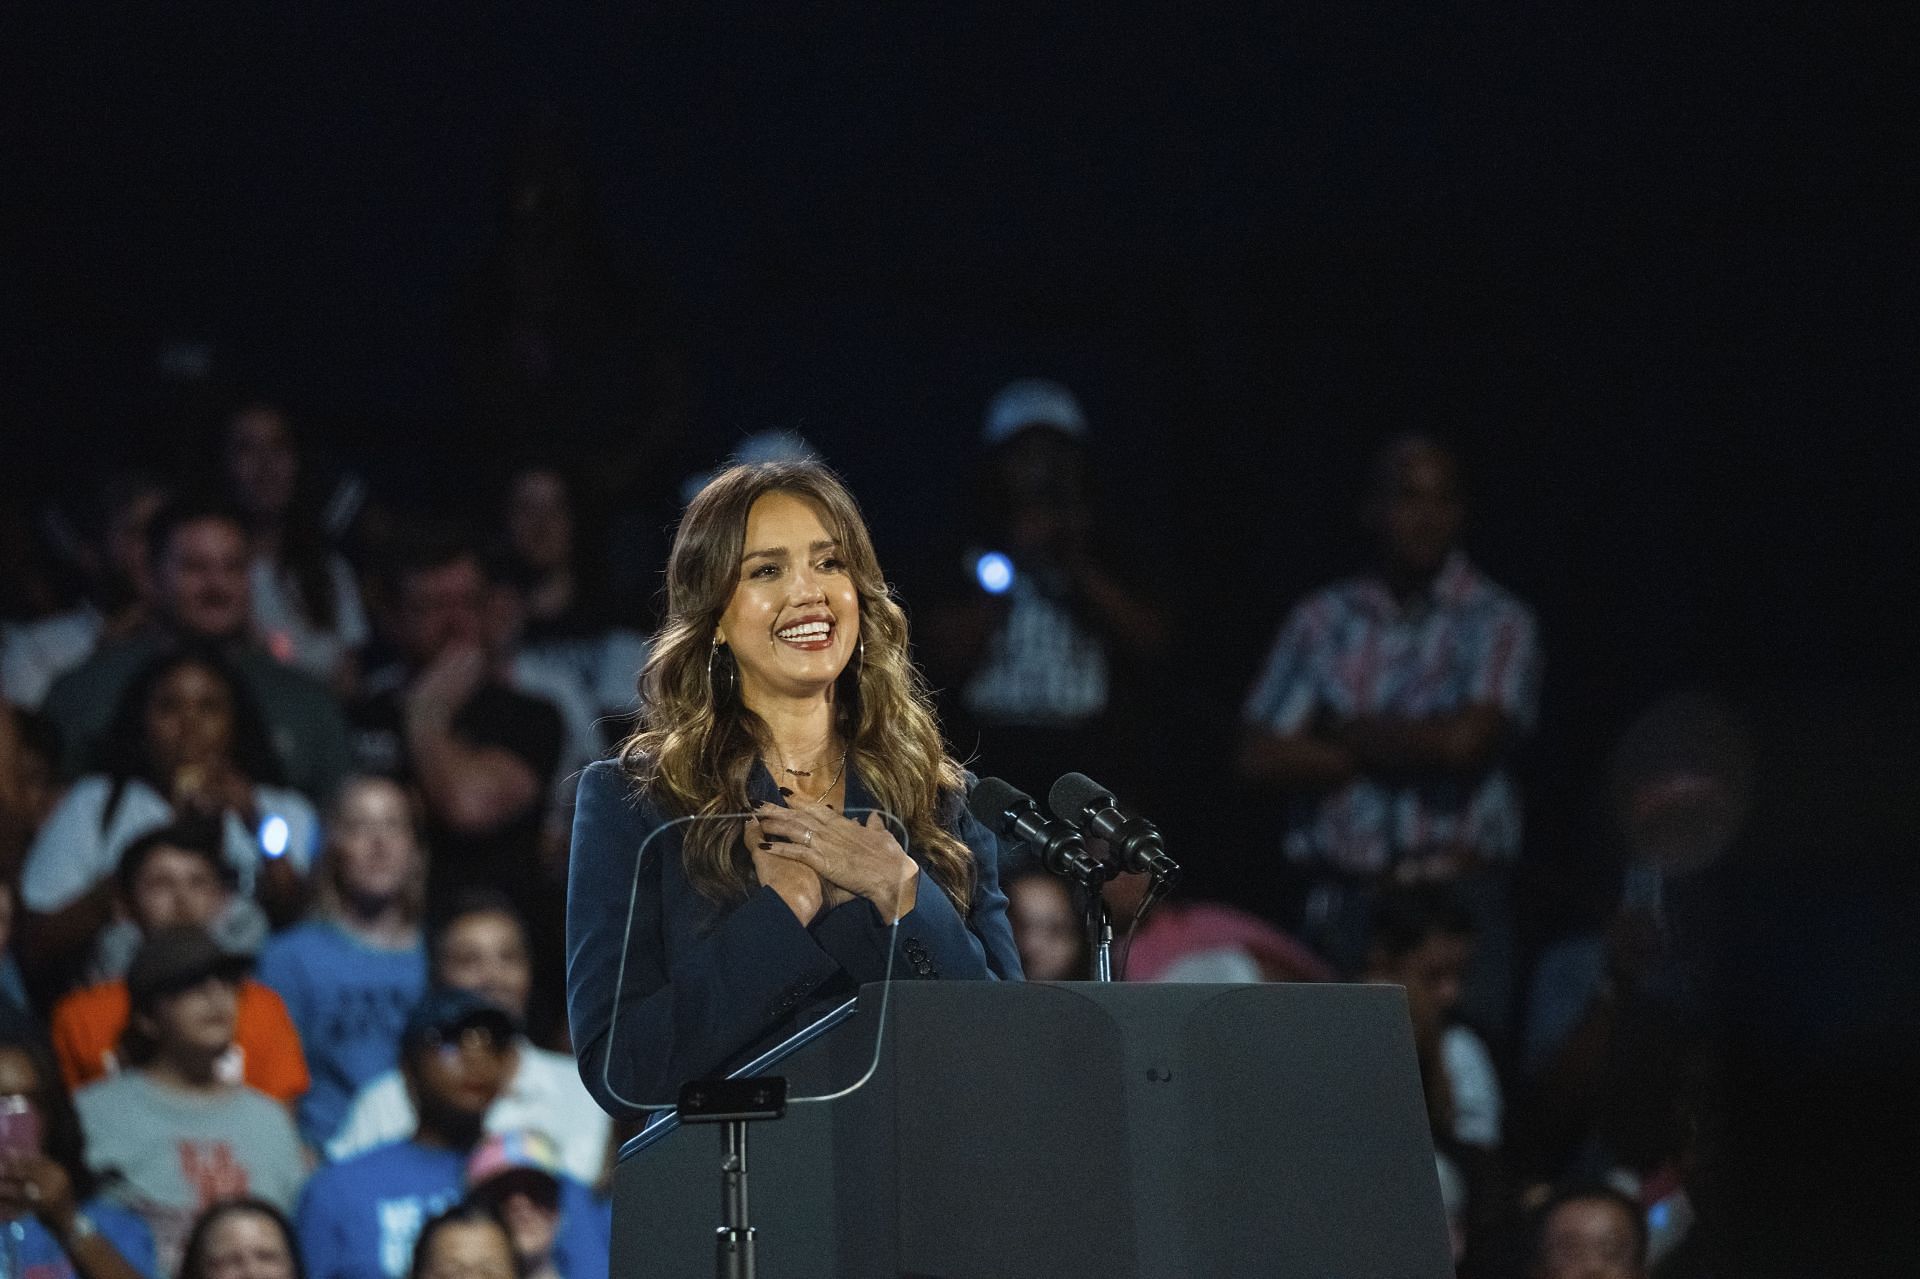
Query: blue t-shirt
[(358, 1218), (349, 1001), (40, 1255)]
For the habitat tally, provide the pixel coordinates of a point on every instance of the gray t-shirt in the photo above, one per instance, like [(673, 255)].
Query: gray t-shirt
[(178, 1152)]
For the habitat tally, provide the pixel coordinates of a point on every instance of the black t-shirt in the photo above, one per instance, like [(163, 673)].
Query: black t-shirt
[(527, 727)]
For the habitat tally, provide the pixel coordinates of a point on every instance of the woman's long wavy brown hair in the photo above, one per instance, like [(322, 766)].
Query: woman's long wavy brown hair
[(693, 750)]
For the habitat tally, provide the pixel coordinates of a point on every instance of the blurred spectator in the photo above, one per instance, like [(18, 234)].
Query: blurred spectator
[(56, 1224), (359, 1218), (1202, 941), (1679, 785), (30, 786), (181, 1137), (13, 988), (185, 742), (566, 622), (520, 1176), (555, 683), (199, 554), (1050, 932), (1422, 941), (306, 602), (111, 550), (352, 972), (467, 1241), (480, 946), (1386, 710), (444, 715), (1590, 1233), (242, 1239), (1619, 1063), (175, 877), (1423, 938), (1049, 642)]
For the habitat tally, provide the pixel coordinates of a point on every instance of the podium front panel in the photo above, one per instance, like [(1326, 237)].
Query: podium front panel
[(1067, 1129)]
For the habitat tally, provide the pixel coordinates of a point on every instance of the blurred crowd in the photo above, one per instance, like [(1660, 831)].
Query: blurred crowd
[(286, 792), (286, 770)]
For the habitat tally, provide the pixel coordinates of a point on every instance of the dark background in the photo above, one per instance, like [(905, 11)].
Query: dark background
[(1649, 270)]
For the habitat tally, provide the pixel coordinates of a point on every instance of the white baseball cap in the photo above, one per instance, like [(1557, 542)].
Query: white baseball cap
[(1032, 401)]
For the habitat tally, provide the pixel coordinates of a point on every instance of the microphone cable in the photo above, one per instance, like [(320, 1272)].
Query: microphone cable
[(1156, 892)]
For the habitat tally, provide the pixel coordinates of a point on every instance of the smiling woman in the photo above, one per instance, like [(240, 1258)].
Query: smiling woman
[(779, 687)]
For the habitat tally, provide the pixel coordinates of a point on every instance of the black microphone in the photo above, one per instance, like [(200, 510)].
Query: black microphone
[(1011, 813), (1084, 803)]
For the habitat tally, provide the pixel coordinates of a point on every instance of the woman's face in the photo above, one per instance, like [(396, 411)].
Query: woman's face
[(1044, 928), (262, 461), (469, 1250), (247, 1245), (486, 954), (189, 718), (794, 617), (373, 838)]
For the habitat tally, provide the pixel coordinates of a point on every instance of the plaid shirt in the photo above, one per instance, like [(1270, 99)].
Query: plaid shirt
[(1353, 650)]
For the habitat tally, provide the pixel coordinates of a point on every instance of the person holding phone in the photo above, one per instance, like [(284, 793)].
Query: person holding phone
[(187, 743), (168, 878), (352, 971), (51, 1223)]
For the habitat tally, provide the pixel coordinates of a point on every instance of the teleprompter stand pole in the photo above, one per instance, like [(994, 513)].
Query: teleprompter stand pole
[(733, 1104)]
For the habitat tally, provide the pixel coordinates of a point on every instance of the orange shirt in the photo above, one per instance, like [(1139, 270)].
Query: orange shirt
[(265, 1054)]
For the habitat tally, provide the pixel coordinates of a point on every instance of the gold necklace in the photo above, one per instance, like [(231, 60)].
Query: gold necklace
[(801, 772), (807, 772), (838, 773)]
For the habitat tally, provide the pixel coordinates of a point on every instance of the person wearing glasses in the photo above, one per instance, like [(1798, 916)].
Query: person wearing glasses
[(360, 1218)]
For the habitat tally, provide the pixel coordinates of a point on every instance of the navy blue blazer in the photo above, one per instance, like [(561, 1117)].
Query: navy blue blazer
[(703, 983)]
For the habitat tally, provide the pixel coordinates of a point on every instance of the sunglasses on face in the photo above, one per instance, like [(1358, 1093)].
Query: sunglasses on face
[(479, 1038)]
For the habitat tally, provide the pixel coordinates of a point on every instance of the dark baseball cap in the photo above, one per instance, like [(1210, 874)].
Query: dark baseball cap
[(174, 959), (445, 1011)]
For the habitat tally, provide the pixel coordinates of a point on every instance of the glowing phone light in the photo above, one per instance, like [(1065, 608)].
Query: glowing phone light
[(995, 573), (274, 835)]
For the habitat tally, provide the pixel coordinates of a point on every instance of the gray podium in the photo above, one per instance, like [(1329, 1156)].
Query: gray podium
[(1066, 1129)]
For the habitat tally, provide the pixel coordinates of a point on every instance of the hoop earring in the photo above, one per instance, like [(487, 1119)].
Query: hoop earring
[(713, 681), (849, 677)]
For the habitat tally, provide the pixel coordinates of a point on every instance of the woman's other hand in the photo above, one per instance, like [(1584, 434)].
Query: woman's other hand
[(799, 887)]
